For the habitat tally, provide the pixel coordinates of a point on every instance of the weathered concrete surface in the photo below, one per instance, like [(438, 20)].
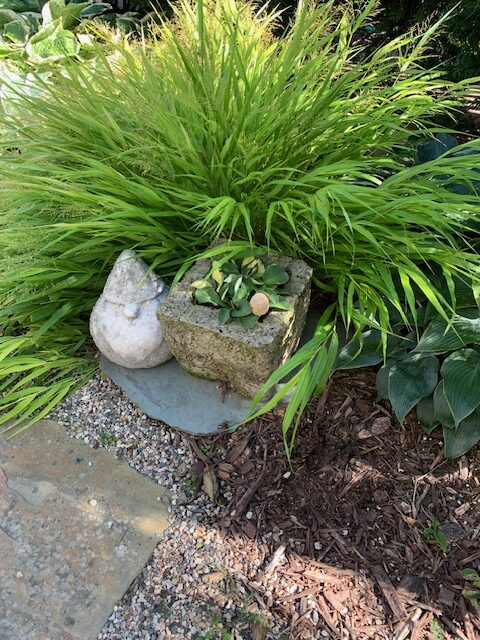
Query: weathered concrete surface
[(243, 358), (76, 527)]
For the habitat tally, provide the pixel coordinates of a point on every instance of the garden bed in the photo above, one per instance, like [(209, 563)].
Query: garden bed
[(346, 524), (332, 548)]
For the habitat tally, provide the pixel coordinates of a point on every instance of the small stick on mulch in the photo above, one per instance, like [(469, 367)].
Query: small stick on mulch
[(322, 402), (420, 625), (326, 615), (238, 449), (242, 504), (469, 630), (389, 592), (277, 558), (198, 452), (453, 628), (409, 626)]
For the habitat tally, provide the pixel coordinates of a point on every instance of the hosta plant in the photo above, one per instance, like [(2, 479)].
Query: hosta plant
[(42, 34), (39, 33), (434, 369), (217, 127), (245, 290)]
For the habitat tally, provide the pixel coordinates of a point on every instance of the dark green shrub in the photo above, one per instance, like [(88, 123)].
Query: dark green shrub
[(458, 44)]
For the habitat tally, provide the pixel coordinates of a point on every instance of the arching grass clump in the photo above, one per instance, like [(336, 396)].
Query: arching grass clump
[(215, 129)]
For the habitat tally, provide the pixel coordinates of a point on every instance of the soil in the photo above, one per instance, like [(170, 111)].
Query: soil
[(342, 528)]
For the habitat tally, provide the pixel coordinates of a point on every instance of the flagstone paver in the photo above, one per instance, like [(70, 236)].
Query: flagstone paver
[(76, 527)]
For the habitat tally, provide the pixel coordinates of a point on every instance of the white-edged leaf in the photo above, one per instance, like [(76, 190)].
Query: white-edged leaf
[(52, 10)]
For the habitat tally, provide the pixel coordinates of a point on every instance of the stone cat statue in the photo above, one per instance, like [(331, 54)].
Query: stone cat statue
[(124, 323)]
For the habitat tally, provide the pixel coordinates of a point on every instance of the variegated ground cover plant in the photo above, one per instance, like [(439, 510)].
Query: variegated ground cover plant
[(243, 290)]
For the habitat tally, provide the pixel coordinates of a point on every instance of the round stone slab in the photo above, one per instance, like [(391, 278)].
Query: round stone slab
[(182, 401), (172, 395)]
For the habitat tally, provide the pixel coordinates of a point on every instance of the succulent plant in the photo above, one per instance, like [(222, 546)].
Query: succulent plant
[(246, 290)]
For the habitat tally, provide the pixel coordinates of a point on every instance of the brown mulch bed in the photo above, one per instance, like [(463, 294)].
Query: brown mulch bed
[(342, 529)]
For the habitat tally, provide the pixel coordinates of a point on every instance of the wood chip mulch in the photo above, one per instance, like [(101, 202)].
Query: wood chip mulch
[(342, 529)]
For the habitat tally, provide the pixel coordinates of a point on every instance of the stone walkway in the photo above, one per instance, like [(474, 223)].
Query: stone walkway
[(76, 527)]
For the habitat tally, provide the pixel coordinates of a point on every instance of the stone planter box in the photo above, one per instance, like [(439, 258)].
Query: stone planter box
[(243, 358)]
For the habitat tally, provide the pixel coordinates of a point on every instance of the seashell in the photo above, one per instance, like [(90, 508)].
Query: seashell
[(260, 304)]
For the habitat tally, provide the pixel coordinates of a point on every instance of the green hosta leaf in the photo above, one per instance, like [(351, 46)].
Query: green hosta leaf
[(242, 309), (248, 282), (382, 380), (461, 439), (260, 269), (94, 10), (126, 21), (32, 21), (440, 337), (22, 5), (237, 284), (52, 10), (230, 268), (7, 15), (61, 44), (442, 409), (71, 14), (432, 149), (248, 260), (461, 382), (207, 296), (275, 275), (426, 414), (224, 316), (464, 299), (231, 278), (248, 322), (16, 31), (282, 304), (410, 380), (361, 352), (223, 291)]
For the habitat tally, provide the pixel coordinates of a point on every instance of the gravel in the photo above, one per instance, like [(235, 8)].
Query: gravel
[(193, 586)]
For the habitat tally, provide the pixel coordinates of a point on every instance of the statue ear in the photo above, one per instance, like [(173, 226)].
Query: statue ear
[(131, 311)]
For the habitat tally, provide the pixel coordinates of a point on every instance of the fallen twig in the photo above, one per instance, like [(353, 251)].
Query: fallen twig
[(389, 592)]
